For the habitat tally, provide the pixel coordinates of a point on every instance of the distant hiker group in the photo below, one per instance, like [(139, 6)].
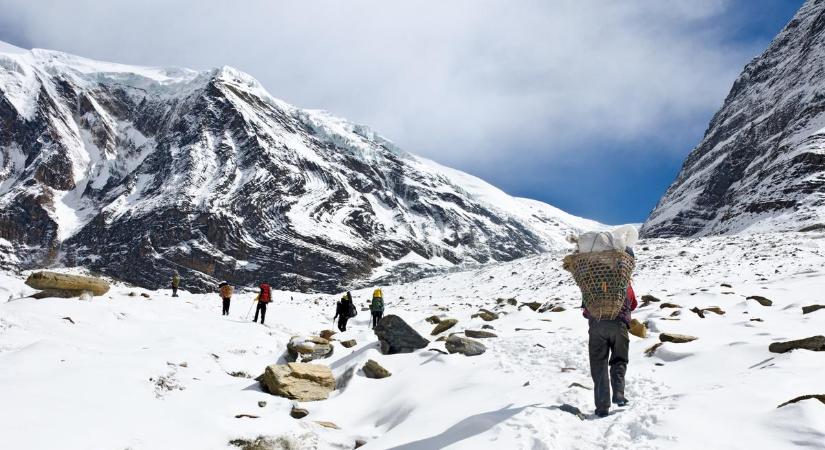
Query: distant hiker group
[(345, 309)]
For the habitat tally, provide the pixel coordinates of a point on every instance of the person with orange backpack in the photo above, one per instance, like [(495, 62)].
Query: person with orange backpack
[(264, 297), (225, 290)]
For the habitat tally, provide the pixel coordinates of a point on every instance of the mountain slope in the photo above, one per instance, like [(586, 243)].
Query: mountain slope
[(761, 164), (139, 172)]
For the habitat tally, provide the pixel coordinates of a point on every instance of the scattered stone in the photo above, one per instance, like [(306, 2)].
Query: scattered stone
[(557, 309), (308, 348), (239, 374), (713, 309), (260, 443), (441, 339), (374, 370), (762, 300), (438, 350), (512, 302), (756, 319), (479, 334), (487, 326), (443, 326), (572, 410), (528, 329), (820, 397), (261, 404), (328, 425), (669, 305), (539, 345), (360, 443), (299, 381), (638, 329), (568, 369), (812, 308), (145, 295), (486, 315), (69, 319), (327, 334), (298, 413), (648, 299), (53, 281), (433, 319), (650, 351), (247, 416), (465, 346), (813, 343), (133, 294), (350, 343), (578, 385), (726, 285), (532, 305), (676, 313), (396, 336), (676, 338)]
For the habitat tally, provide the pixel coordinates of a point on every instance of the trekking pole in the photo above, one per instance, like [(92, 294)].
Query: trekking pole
[(250, 309)]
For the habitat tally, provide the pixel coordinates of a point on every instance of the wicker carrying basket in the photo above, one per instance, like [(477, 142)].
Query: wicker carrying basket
[(603, 278)]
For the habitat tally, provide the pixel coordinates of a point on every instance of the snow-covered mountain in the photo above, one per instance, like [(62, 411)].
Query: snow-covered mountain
[(761, 164), (139, 172)]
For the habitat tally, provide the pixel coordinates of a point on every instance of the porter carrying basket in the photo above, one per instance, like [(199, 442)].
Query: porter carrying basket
[(603, 278)]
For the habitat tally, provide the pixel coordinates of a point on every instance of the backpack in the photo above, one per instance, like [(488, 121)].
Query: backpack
[(226, 291), (266, 294), (353, 311), (377, 304)]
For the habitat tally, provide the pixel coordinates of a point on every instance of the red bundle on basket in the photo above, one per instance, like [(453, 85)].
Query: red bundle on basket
[(603, 278)]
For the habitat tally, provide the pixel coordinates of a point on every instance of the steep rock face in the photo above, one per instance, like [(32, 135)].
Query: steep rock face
[(761, 164), (139, 172)]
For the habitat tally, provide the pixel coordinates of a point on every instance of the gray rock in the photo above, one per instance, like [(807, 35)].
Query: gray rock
[(308, 348), (299, 381), (433, 319), (486, 315), (676, 338), (298, 413), (813, 343), (812, 308), (374, 370), (761, 300), (349, 343), (465, 346), (443, 326), (479, 334), (396, 336)]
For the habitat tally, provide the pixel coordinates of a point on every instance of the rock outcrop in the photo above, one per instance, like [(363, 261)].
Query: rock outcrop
[(396, 336), (54, 284), (299, 381), (308, 348)]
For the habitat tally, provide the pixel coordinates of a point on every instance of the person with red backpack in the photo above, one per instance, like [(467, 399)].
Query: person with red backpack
[(264, 297)]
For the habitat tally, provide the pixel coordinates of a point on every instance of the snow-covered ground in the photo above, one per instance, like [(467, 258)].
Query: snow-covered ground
[(156, 373)]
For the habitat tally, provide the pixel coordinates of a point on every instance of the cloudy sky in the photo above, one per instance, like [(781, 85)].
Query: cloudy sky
[(590, 105)]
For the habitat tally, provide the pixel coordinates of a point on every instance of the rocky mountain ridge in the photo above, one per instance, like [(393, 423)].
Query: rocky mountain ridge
[(761, 164), (140, 172)]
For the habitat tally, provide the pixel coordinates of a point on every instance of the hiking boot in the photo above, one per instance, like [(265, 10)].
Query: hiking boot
[(602, 413), (621, 402)]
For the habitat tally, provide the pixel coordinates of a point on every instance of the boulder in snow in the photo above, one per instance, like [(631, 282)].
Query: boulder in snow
[(813, 343), (396, 336), (479, 334), (486, 315), (308, 348), (299, 381), (443, 326), (65, 283), (676, 338), (638, 329), (467, 347), (761, 300), (374, 370), (812, 308)]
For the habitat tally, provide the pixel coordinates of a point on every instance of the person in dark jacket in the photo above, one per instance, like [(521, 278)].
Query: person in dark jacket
[(264, 297), (344, 311), (175, 284), (609, 346)]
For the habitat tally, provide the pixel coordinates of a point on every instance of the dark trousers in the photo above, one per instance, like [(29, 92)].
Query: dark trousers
[(226, 306), (376, 317), (609, 345), (174, 291), (260, 309), (342, 323)]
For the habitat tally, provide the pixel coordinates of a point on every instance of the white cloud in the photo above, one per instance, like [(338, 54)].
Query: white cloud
[(463, 81)]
